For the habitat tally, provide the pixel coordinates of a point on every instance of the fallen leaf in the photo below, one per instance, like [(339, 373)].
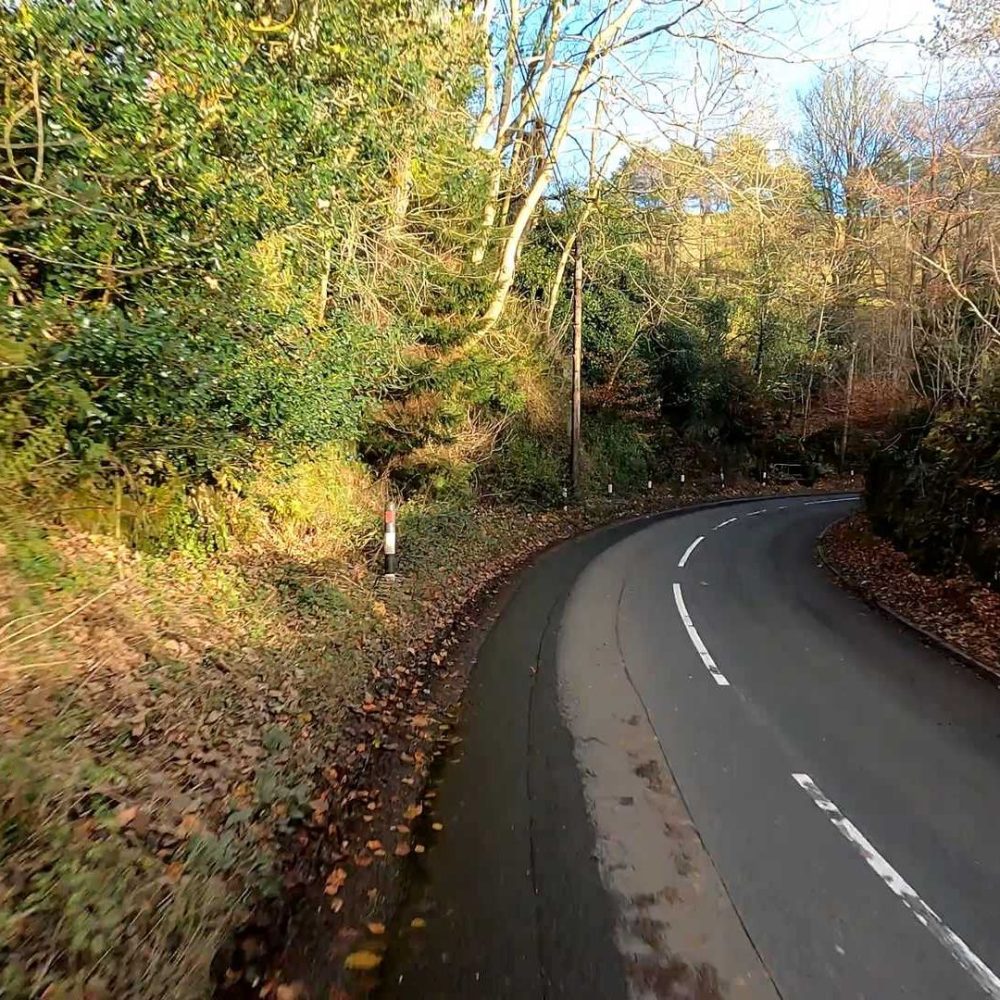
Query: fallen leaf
[(437, 826), (417, 922), (412, 812), (402, 849), (375, 927), (188, 825), (337, 878), (374, 845), (125, 815), (362, 961)]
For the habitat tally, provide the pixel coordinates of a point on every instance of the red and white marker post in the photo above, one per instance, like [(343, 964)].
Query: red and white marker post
[(389, 544)]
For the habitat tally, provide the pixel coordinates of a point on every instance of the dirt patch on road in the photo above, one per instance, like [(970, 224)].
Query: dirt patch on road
[(679, 932)]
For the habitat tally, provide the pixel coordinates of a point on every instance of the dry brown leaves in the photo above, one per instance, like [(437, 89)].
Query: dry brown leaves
[(959, 610), (225, 700)]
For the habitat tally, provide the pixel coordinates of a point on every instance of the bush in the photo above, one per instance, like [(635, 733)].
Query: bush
[(162, 271), (707, 395), (935, 489), (529, 469), (615, 451)]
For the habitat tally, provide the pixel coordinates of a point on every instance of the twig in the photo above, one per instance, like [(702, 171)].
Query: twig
[(7, 132), (40, 126), (20, 637)]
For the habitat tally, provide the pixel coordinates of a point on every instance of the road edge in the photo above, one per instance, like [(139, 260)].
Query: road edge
[(504, 589), (925, 635)]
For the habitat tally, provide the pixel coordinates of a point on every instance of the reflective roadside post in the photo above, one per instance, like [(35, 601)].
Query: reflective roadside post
[(389, 542)]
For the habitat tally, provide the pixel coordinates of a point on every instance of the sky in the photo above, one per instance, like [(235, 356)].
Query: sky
[(885, 33), (800, 39)]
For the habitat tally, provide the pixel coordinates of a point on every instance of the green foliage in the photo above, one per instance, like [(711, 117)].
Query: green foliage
[(706, 393), (529, 468), (88, 897), (616, 451), (196, 178), (31, 553), (441, 476)]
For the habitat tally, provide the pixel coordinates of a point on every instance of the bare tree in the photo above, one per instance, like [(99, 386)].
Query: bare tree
[(552, 53)]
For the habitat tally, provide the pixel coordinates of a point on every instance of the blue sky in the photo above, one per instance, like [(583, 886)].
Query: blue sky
[(885, 33), (798, 40)]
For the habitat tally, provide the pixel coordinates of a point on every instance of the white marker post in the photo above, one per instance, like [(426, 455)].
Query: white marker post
[(611, 489), (649, 484), (389, 544)]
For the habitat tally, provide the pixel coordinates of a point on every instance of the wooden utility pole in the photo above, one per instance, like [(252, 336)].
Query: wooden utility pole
[(847, 405), (574, 424)]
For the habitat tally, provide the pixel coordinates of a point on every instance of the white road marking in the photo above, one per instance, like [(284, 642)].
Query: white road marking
[(754, 513), (690, 549), (724, 523), (960, 951), (812, 503), (706, 656)]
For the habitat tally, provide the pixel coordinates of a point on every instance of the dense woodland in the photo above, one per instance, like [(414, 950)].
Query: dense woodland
[(254, 254), (234, 237)]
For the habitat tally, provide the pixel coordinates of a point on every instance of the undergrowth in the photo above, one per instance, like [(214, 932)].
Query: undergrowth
[(169, 702)]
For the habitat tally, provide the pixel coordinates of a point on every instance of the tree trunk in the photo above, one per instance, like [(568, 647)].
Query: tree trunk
[(553, 297), (597, 49), (489, 216), (807, 402), (567, 250), (574, 431), (485, 119), (847, 406), (512, 250)]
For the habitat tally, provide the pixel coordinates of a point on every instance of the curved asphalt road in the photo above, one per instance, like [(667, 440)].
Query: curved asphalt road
[(843, 780)]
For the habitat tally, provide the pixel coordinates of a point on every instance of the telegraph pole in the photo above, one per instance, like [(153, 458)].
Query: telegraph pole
[(574, 425), (847, 405)]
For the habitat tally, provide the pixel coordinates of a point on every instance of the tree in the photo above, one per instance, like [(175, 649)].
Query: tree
[(551, 55)]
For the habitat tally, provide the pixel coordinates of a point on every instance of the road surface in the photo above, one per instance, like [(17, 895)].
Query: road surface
[(693, 766)]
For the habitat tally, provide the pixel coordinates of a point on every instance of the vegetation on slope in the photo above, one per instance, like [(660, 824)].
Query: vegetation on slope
[(935, 488), (265, 266)]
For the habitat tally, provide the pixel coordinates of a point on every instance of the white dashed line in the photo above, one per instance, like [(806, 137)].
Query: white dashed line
[(754, 513), (960, 951), (724, 523), (706, 656), (812, 503), (690, 549)]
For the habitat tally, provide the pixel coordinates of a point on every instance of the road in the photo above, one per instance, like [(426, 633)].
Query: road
[(693, 766)]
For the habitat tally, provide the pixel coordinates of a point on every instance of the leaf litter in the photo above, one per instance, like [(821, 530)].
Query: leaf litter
[(234, 752)]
